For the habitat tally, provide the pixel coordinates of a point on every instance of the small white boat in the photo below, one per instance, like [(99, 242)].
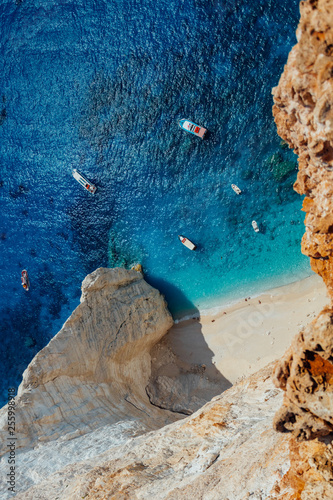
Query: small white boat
[(236, 189), (192, 128), (188, 243), (255, 226), (25, 280), (89, 186)]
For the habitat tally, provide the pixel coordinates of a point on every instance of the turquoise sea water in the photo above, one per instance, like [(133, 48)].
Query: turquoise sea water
[(99, 86)]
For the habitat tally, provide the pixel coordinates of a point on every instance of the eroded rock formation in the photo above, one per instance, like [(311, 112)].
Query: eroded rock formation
[(91, 389), (94, 371), (93, 380), (226, 450), (305, 373), (303, 112)]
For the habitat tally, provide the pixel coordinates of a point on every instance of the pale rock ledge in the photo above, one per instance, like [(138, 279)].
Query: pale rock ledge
[(87, 429), (95, 370), (227, 450)]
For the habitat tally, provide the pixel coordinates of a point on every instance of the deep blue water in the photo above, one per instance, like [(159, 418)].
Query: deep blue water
[(100, 85)]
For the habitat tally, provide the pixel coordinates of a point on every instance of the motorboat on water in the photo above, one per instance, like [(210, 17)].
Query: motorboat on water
[(89, 186), (188, 243), (255, 226), (192, 128), (236, 189), (25, 280)]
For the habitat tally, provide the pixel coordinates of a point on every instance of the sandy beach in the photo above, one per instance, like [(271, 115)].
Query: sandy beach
[(248, 335)]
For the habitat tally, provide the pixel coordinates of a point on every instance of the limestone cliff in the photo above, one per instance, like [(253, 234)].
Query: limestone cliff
[(95, 370), (102, 380), (83, 414), (303, 112), (89, 410), (226, 450)]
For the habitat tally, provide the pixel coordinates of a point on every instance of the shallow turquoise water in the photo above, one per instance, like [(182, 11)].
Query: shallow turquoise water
[(99, 86)]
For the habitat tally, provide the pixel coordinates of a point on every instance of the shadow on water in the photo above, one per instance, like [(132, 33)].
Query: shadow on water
[(208, 135), (262, 228), (178, 304), (184, 376)]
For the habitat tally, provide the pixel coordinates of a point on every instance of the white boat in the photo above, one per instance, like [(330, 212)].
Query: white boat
[(25, 280), (255, 226), (89, 186), (192, 128), (236, 189), (188, 243)]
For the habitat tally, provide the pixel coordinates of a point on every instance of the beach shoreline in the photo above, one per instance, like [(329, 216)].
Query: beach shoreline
[(243, 337)]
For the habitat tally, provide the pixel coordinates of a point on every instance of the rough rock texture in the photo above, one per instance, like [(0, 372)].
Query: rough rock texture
[(306, 375), (303, 113), (92, 381), (226, 450), (90, 389), (94, 371), (310, 474)]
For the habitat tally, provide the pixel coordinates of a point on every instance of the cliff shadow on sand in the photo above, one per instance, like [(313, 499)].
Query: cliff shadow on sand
[(183, 375), (109, 372)]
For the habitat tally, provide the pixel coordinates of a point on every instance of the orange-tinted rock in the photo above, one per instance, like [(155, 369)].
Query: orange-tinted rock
[(306, 476), (303, 113), (305, 373)]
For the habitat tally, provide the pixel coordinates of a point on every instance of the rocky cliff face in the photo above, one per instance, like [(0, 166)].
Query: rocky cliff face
[(303, 113), (95, 370), (102, 380), (226, 450), (83, 414), (96, 381)]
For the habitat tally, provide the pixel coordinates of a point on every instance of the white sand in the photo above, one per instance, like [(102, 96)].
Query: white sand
[(248, 335)]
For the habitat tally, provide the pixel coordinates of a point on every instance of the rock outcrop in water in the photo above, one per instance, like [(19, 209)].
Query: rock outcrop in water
[(93, 380), (102, 380), (95, 370), (83, 414), (303, 113)]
